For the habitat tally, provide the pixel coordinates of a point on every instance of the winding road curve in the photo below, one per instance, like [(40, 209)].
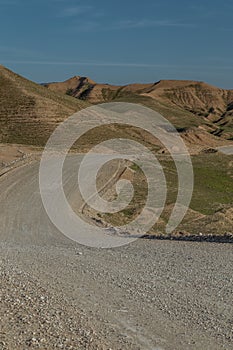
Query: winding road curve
[(149, 295)]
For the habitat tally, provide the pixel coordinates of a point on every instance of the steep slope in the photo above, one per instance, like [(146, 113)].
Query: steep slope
[(74, 86), (184, 103), (82, 88), (206, 101), (29, 112), (86, 89)]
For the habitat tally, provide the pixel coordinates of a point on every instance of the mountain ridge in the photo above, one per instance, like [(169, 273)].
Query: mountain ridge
[(30, 112), (212, 105)]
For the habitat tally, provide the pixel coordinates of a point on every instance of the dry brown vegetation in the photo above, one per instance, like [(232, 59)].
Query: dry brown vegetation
[(28, 111), (202, 114), (200, 104)]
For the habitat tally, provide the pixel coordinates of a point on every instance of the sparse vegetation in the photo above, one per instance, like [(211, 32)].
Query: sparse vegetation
[(30, 112), (69, 92)]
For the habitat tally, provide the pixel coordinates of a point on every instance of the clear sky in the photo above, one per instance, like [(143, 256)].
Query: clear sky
[(118, 41)]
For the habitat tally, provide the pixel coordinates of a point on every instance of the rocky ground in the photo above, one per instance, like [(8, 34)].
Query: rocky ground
[(33, 317), (148, 295)]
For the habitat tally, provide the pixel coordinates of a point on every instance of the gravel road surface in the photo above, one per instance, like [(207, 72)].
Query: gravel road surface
[(149, 295)]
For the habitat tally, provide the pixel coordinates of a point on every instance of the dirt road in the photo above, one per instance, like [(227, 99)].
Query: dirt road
[(159, 295)]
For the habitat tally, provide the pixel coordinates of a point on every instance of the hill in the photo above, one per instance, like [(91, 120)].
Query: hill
[(202, 114), (210, 103), (185, 103), (28, 111)]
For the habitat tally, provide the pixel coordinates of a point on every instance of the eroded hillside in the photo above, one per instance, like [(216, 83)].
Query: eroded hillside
[(28, 111), (184, 103)]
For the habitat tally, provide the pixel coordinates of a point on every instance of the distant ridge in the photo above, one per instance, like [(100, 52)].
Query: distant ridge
[(29, 112), (203, 104)]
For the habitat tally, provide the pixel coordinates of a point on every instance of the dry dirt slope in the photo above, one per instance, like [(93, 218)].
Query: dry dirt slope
[(29, 112), (208, 102), (203, 104)]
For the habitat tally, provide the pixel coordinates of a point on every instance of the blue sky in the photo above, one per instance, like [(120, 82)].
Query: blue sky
[(118, 41)]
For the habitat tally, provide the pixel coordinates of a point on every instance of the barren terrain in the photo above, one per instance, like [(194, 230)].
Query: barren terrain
[(147, 295), (160, 292), (201, 105)]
